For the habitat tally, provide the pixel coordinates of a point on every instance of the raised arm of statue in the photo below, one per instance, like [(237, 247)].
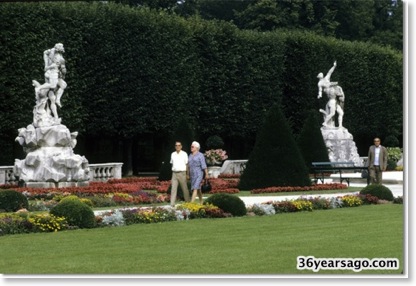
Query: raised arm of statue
[(325, 82), (328, 75)]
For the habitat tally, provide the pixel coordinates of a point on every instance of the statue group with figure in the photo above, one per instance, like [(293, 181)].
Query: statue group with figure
[(336, 98), (48, 95), (339, 142), (50, 159)]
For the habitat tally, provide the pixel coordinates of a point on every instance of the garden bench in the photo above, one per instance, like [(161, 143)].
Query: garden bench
[(342, 168)]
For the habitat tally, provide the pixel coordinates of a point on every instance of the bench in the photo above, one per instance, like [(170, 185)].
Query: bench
[(342, 168)]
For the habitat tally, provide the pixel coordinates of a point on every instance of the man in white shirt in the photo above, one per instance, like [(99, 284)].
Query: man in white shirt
[(179, 161), (377, 161)]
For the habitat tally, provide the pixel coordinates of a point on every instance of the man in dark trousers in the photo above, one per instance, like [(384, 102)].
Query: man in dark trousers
[(377, 161)]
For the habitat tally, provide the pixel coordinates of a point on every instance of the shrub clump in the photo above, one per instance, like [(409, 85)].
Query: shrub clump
[(76, 213), (14, 223), (11, 201), (88, 202), (398, 200), (379, 191), (214, 142), (228, 203)]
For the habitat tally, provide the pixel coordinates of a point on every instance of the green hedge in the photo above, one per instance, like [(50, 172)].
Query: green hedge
[(132, 71)]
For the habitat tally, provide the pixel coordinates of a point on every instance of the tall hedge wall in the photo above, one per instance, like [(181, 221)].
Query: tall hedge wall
[(134, 71)]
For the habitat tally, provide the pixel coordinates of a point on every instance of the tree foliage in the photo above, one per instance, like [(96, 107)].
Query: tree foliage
[(378, 21)]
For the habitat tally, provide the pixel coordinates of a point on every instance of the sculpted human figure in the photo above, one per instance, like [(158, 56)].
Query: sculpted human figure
[(336, 98), (52, 89), (55, 71), (43, 108)]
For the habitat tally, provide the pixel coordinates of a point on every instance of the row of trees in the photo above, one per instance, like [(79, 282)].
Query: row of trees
[(135, 73), (377, 21)]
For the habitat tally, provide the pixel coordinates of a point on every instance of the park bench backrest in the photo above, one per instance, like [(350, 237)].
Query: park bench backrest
[(332, 164)]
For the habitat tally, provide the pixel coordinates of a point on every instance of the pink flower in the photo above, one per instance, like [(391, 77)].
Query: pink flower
[(215, 156)]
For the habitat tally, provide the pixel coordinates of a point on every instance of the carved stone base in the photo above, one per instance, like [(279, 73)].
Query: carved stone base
[(341, 146), (53, 184), (50, 159)]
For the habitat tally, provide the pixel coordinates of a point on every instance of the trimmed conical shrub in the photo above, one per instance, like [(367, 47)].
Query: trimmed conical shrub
[(310, 141), (275, 159)]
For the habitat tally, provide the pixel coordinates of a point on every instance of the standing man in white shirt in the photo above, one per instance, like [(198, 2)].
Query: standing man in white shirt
[(377, 161), (179, 161)]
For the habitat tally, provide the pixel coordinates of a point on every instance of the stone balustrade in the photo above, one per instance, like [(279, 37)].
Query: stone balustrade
[(7, 176), (98, 173), (104, 172), (233, 167)]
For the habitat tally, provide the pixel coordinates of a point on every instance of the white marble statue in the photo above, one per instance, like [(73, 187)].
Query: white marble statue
[(339, 142), (336, 98), (50, 160), (45, 112)]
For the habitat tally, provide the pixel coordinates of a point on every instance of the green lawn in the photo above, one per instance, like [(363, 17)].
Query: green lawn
[(243, 245)]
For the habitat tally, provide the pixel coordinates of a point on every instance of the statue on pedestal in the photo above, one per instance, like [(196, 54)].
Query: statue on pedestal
[(339, 142), (336, 98), (50, 160)]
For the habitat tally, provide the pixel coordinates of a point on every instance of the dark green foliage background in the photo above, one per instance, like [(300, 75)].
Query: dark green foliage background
[(133, 71)]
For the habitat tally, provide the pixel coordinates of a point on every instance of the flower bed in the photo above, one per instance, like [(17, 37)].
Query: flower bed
[(224, 186), (319, 187), (229, 176), (131, 191), (24, 222)]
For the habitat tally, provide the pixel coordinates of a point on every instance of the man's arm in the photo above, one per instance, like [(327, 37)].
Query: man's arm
[(370, 155), (385, 158)]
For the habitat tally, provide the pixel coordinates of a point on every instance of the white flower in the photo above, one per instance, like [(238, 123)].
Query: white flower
[(116, 218)]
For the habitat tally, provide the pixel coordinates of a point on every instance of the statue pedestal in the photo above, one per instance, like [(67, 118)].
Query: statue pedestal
[(214, 171), (341, 146), (50, 159), (53, 184)]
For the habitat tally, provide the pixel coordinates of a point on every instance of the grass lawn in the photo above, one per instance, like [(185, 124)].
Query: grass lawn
[(241, 245)]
